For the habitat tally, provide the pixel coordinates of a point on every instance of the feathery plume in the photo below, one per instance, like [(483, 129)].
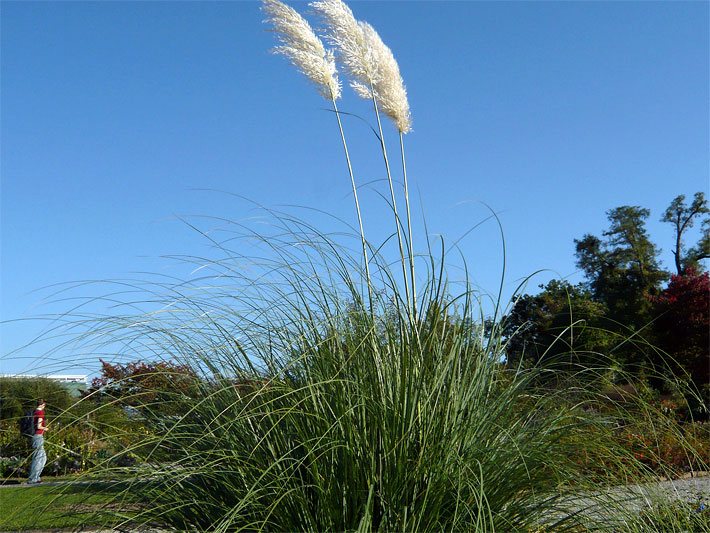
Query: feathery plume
[(345, 34), (367, 59), (303, 48), (388, 85)]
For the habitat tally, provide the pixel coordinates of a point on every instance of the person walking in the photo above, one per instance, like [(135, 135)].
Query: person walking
[(39, 456)]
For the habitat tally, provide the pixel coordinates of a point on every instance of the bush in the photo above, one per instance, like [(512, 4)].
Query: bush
[(13, 466), (11, 441), (668, 447), (80, 437)]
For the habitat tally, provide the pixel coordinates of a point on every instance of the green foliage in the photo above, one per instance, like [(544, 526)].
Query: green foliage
[(17, 395), (562, 320), (622, 270), (14, 449)]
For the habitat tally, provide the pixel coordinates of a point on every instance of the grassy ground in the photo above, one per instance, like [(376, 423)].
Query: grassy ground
[(24, 507)]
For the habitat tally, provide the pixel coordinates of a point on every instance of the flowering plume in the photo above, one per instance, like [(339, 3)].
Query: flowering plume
[(345, 34), (367, 59), (388, 86), (303, 48)]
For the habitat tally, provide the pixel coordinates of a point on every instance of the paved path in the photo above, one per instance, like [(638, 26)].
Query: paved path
[(690, 490), (59, 483), (614, 502), (44, 484)]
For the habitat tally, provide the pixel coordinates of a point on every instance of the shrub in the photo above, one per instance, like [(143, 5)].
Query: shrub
[(668, 447)]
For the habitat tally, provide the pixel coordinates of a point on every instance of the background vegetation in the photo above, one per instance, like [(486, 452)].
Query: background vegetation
[(658, 333), (81, 432)]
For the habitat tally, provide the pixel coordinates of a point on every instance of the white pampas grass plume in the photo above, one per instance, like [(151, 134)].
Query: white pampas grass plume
[(303, 48), (345, 34), (388, 85), (367, 59)]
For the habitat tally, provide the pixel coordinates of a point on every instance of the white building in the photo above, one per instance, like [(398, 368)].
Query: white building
[(61, 378)]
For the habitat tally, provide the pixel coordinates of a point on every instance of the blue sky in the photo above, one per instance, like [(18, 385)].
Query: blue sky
[(115, 114)]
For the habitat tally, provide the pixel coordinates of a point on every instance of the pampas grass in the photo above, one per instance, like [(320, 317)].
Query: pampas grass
[(303, 48), (322, 407), (375, 75), (306, 51), (345, 34), (370, 63), (315, 412), (388, 86)]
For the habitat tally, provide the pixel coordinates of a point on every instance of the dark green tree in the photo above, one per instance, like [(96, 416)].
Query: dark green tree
[(683, 217), (18, 395), (622, 270), (561, 321)]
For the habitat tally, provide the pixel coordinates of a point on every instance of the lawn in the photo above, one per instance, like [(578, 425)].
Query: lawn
[(24, 507)]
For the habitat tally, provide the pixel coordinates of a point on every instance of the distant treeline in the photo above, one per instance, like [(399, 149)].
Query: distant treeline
[(648, 320)]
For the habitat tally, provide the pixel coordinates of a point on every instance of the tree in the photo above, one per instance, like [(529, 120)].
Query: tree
[(683, 323), (19, 394), (622, 270), (155, 386), (683, 217), (626, 312), (562, 319)]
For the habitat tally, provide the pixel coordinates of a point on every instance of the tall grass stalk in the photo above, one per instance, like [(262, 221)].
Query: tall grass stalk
[(365, 255), (306, 51), (412, 273), (397, 220), (374, 76)]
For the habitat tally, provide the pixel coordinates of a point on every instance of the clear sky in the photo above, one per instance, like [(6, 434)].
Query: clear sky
[(114, 114)]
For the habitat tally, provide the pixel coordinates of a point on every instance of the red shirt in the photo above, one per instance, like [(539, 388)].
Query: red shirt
[(39, 418)]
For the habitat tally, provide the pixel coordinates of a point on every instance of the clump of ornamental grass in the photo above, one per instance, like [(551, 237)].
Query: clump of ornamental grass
[(334, 396), (316, 411)]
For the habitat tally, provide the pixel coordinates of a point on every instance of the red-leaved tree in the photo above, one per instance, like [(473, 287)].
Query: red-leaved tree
[(683, 323), (140, 383)]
